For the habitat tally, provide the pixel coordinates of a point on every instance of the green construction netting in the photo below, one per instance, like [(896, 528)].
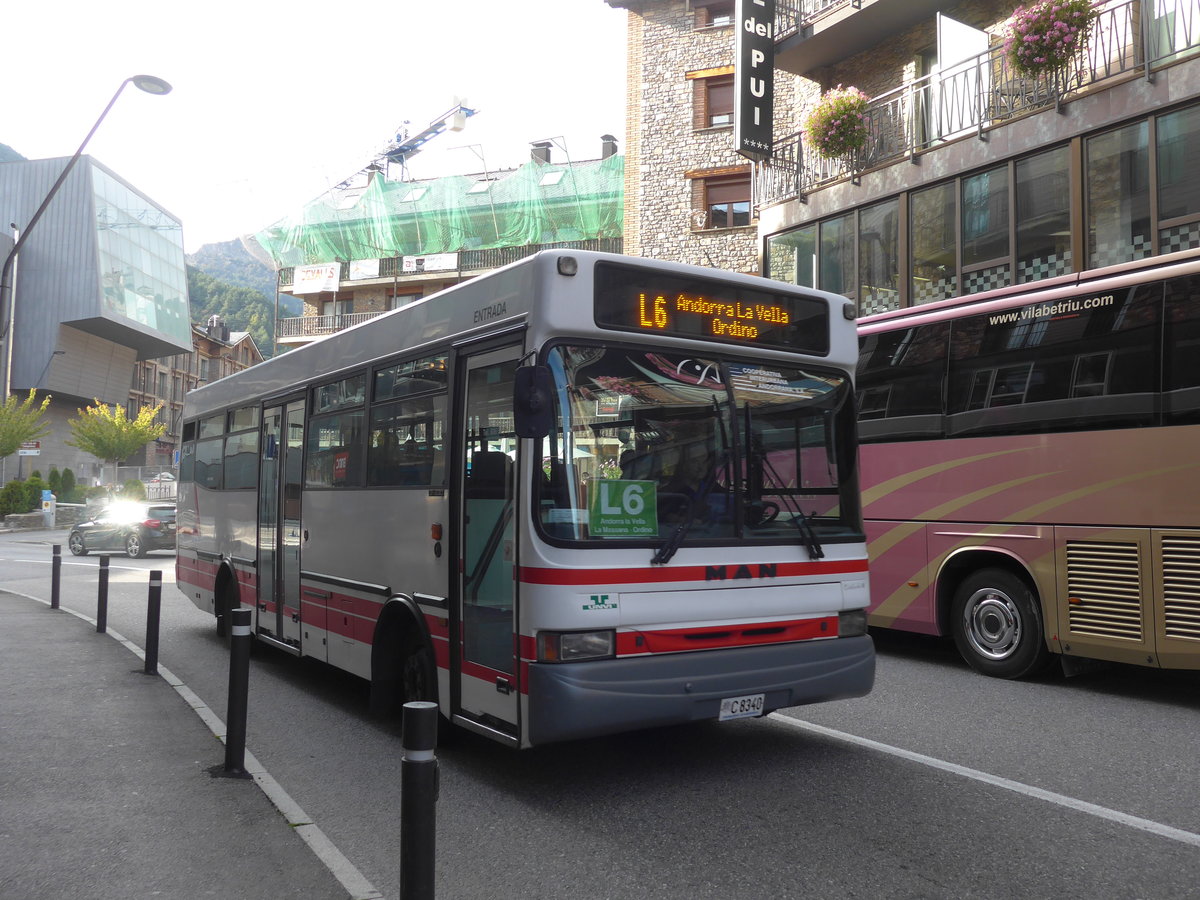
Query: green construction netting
[(538, 203)]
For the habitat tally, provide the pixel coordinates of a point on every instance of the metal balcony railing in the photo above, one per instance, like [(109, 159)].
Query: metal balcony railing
[(315, 326), (983, 93), (792, 15)]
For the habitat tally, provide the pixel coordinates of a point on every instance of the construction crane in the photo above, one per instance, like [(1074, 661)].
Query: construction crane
[(403, 146)]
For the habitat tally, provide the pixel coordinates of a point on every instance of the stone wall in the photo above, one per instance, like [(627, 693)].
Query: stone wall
[(663, 145)]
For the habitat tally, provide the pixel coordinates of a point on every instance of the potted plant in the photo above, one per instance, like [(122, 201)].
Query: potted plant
[(837, 126), (1043, 36)]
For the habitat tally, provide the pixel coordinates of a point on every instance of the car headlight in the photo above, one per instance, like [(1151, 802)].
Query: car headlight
[(556, 646)]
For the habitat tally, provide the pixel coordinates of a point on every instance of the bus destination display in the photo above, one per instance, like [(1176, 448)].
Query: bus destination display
[(629, 298)]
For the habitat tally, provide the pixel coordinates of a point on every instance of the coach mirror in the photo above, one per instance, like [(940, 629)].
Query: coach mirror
[(533, 407)]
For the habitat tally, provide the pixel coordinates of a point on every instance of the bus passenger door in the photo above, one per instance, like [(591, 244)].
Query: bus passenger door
[(488, 688), (279, 479)]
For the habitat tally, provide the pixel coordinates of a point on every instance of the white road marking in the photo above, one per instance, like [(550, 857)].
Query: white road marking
[(1102, 812)]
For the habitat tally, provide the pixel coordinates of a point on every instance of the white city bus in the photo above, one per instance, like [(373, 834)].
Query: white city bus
[(583, 494)]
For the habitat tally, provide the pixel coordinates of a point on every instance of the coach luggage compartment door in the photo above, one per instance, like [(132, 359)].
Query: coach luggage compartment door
[(487, 676)]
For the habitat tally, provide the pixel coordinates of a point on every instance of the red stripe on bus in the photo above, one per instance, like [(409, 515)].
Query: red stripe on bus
[(730, 573), (675, 640)]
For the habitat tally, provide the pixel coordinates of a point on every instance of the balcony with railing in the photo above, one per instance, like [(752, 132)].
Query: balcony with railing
[(814, 33), (983, 93)]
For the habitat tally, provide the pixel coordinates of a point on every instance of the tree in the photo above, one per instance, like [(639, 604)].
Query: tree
[(21, 421), (110, 435)]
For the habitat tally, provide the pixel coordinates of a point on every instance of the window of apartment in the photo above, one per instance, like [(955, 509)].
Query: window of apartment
[(934, 254), (162, 384), (727, 201), (398, 300), (1118, 195), (712, 97), (713, 13), (1043, 211), (337, 307)]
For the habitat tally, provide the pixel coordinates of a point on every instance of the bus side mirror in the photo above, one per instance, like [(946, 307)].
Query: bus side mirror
[(533, 401)]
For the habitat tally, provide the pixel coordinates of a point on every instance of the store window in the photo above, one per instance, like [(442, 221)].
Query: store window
[(1043, 195), (1177, 136), (1118, 195), (792, 256), (934, 255), (837, 261), (878, 257)]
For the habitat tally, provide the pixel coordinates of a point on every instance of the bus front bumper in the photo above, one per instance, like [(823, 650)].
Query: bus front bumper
[(579, 700)]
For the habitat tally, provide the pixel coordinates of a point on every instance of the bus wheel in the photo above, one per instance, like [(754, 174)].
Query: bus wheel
[(997, 626)]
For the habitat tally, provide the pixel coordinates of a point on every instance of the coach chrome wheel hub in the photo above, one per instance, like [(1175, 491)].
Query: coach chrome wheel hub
[(992, 624)]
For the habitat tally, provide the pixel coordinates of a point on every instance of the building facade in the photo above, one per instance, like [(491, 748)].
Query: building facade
[(973, 174), (100, 285), (216, 352), (366, 248)]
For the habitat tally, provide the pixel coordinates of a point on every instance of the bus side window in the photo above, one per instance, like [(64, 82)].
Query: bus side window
[(1181, 345)]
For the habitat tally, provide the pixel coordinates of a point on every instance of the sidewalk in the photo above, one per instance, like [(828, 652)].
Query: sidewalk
[(105, 783)]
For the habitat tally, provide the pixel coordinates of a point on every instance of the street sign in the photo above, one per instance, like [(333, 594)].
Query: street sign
[(30, 448)]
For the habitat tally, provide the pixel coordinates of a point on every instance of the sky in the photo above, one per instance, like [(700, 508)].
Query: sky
[(273, 103)]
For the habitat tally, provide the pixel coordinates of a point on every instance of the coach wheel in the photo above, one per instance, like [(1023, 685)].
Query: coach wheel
[(996, 624)]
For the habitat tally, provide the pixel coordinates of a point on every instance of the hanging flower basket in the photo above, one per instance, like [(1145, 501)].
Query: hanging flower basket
[(1043, 36), (837, 125)]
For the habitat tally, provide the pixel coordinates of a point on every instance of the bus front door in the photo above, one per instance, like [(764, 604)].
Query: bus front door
[(488, 687), (280, 453)]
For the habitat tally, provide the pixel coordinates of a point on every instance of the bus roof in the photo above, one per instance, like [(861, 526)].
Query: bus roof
[(483, 306)]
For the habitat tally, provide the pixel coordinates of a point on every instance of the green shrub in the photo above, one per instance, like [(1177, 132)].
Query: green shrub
[(55, 481), (68, 487), (133, 490)]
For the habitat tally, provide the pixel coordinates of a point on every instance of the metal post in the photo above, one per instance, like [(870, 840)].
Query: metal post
[(418, 800), (102, 598), (55, 575), (239, 691), (153, 611)]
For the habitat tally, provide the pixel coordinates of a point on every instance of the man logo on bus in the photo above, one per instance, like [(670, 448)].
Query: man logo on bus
[(721, 573)]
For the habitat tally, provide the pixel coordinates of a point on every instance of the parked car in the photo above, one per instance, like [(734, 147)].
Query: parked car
[(161, 477), (133, 527)]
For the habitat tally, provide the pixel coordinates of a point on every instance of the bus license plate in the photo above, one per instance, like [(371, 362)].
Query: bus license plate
[(741, 707)]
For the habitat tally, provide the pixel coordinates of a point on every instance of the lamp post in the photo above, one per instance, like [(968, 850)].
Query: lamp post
[(148, 83)]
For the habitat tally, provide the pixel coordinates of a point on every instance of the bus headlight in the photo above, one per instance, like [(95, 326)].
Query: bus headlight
[(852, 622), (554, 646)]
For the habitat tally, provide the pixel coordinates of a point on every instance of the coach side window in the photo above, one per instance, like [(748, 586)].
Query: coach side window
[(1181, 348), (901, 375), (1087, 361)]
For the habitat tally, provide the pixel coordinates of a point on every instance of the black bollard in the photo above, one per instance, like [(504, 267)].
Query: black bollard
[(418, 800), (153, 613), (239, 692), (102, 598), (55, 575)]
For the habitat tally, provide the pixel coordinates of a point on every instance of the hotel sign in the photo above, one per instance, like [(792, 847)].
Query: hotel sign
[(754, 78)]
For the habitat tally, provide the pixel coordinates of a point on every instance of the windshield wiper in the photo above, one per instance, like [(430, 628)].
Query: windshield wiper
[(699, 498), (756, 463)]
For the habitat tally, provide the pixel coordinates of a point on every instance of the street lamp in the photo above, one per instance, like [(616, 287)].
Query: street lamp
[(148, 83)]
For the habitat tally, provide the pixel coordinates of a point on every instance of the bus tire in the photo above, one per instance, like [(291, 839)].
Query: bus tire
[(997, 625)]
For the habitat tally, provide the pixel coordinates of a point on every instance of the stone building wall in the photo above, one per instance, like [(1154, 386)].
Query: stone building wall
[(663, 145)]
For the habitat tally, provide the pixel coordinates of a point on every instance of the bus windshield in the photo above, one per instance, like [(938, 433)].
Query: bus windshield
[(659, 447)]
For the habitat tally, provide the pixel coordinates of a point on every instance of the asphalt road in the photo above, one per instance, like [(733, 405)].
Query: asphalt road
[(941, 783)]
